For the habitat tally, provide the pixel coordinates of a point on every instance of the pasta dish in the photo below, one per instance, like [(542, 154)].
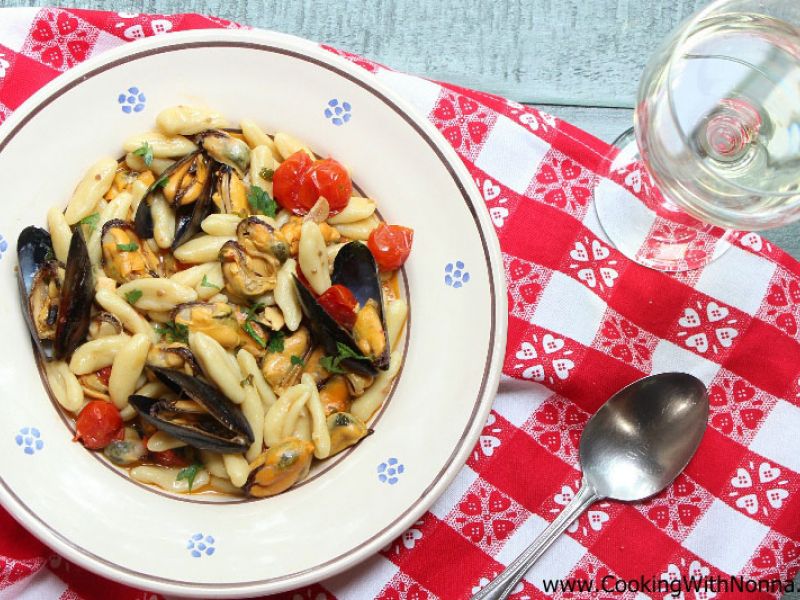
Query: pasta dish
[(217, 309)]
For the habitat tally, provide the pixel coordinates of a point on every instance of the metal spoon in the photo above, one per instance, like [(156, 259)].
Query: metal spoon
[(632, 448)]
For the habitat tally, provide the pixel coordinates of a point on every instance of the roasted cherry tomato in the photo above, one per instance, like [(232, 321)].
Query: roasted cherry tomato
[(287, 180), (98, 424), (104, 375), (390, 245), (329, 179), (339, 303)]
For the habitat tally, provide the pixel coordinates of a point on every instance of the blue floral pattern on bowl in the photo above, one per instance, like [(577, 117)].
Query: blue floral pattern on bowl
[(454, 274), (201, 545), (338, 113), (132, 100), (390, 471), (3, 246), (29, 439)]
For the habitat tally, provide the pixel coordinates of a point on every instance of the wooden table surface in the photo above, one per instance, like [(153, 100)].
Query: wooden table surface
[(577, 59)]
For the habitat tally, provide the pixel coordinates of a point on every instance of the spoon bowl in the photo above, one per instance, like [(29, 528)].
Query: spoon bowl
[(644, 436), (632, 448)]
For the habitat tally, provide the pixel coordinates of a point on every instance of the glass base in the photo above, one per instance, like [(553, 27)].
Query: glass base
[(644, 225)]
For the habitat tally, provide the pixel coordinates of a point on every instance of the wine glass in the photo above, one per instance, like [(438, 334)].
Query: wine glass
[(716, 140)]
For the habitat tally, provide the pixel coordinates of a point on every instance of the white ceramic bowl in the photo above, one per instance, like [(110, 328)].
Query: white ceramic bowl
[(106, 523)]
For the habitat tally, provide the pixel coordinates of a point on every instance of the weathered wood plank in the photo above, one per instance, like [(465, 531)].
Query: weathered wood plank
[(588, 53)]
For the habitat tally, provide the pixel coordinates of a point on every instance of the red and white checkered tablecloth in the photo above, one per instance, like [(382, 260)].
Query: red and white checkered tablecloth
[(583, 322)]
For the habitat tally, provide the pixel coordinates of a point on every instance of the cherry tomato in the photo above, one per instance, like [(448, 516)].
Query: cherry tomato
[(104, 375), (98, 424), (390, 245), (287, 180), (329, 179), (169, 458), (339, 303)]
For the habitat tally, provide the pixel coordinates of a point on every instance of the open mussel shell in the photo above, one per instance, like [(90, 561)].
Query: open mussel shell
[(185, 184), (77, 295), (230, 192), (37, 269), (226, 149), (328, 332), (189, 216), (125, 256), (355, 269), (218, 425)]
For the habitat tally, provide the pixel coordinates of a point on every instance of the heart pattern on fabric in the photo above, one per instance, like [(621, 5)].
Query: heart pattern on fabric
[(759, 489), (463, 121), (485, 516), (549, 355), (717, 327), (592, 264), (498, 215), (564, 183), (490, 190), (59, 40)]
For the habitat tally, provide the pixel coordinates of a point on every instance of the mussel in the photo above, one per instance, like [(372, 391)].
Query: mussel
[(207, 421), (345, 431), (259, 239), (355, 269), (230, 192), (186, 186), (279, 468), (225, 149), (58, 313), (246, 276), (173, 355), (125, 256)]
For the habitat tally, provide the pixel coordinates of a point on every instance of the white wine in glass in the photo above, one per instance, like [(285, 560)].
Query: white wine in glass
[(716, 141)]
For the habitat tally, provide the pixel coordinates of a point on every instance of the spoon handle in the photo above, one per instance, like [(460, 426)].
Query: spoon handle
[(504, 583)]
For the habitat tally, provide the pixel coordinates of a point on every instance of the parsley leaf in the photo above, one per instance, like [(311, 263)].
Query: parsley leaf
[(208, 284), (174, 332), (266, 173), (347, 352), (161, 182), (331, 363), (260, 201), (189, 473), (251, 331), (146, 152), (132, 247), (296, 360), (91, 221), (247, 380), (276, 342), (133, 296)]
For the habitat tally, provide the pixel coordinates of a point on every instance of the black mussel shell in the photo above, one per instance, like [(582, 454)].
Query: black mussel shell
[(355, 269), (77, 294), (189, 217), (34, 252), (204, 432), (225, 427), (143, 220), (328, 332)]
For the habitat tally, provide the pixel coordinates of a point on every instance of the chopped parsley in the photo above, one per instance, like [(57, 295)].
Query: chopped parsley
[(90, 221), (276, 342), (133, 296), (260, 201), (248, 324), (132, 247), (247, 381), (331, 363), (161, 182), (266, 173), (208, 284), (146, 152), (189, 473), (251, 331), (296, 360), (174, 332)]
